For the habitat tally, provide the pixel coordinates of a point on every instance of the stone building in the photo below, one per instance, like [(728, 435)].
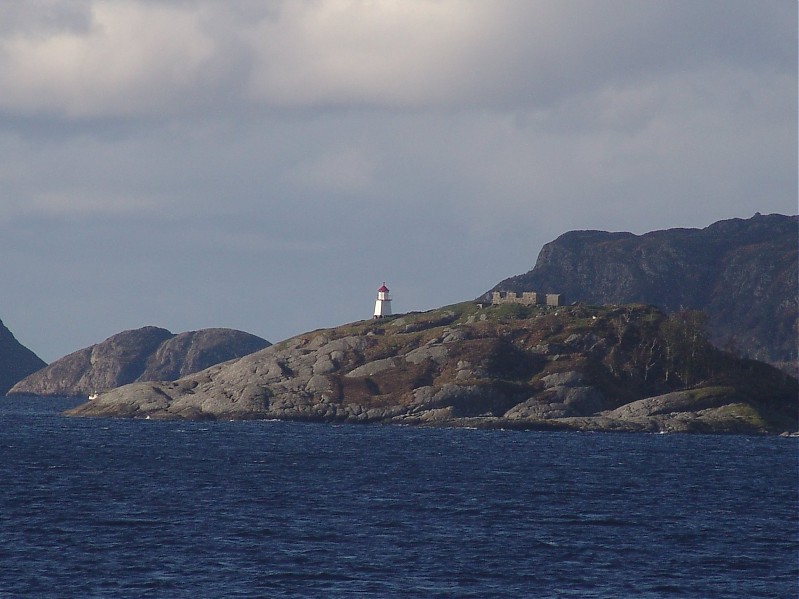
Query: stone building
[(527, 298)]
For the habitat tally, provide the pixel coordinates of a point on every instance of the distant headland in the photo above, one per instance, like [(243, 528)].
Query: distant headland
[(608, 332)]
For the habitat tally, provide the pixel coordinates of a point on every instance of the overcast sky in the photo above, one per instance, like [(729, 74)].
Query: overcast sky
[(265, 166)]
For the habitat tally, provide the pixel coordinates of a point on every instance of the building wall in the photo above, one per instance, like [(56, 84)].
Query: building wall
[(382, 308), (527, 298), (554, 299)]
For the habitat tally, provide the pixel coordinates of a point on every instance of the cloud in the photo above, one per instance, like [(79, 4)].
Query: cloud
[(338, 170), (131, 58), (41, 18), (85, 202), (389, 54), (125, 58), (213, 161)]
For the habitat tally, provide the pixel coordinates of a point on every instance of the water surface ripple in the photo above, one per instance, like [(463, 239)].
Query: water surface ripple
[(126, 508)]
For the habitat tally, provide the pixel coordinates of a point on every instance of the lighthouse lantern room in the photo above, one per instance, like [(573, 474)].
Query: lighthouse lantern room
[(383, 303)]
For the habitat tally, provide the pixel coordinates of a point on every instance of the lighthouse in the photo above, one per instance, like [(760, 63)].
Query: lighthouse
[(383, 303)]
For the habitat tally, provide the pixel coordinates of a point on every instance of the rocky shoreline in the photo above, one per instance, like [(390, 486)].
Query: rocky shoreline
[(611, 368)]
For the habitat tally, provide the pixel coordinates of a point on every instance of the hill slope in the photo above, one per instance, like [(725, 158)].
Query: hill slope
[(741, 273), (145, 354), (626, 368), (16, 360)]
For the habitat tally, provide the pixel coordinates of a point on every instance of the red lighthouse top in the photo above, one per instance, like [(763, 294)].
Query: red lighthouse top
[(383, 288)]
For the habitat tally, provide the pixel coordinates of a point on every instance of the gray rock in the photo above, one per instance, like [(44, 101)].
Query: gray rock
[(464, 374), (323, 365), (372, 368), (670, 403), (424, 395), (146, 354), (533, 409), (319, 385), (318, 342), (345, 344), (584, 401), (562, 379), (453, 336), (467, 400), (437, 353)]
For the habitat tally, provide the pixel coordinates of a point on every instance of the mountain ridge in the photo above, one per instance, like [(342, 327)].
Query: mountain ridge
[(143, 354), (16, 360), (741, 272)]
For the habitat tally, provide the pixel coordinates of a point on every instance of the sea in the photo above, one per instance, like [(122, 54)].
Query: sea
[(144, 508)]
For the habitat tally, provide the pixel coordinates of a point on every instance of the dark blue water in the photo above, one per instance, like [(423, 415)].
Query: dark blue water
[(122, 508)]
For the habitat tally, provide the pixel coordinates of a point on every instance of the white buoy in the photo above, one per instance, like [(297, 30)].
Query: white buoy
[(383, 303)]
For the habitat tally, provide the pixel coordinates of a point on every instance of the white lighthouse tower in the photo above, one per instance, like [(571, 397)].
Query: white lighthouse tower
[(383, 303)]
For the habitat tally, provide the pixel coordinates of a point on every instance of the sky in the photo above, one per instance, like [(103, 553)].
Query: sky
[(265, 166)]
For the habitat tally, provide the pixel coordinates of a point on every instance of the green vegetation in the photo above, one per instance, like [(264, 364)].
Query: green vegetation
[(744, 413)]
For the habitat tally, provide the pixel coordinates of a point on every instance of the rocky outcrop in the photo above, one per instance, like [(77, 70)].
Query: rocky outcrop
[(741, 273), (530, 367), (145, 354), (16, 360)]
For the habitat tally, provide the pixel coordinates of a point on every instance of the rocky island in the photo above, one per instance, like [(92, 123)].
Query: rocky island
[(145, 354), (581, 367)]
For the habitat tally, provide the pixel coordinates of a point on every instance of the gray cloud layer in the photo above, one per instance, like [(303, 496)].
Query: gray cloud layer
[(267, 165)]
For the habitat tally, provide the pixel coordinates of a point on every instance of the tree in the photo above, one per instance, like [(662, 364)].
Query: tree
[(686, 345)]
